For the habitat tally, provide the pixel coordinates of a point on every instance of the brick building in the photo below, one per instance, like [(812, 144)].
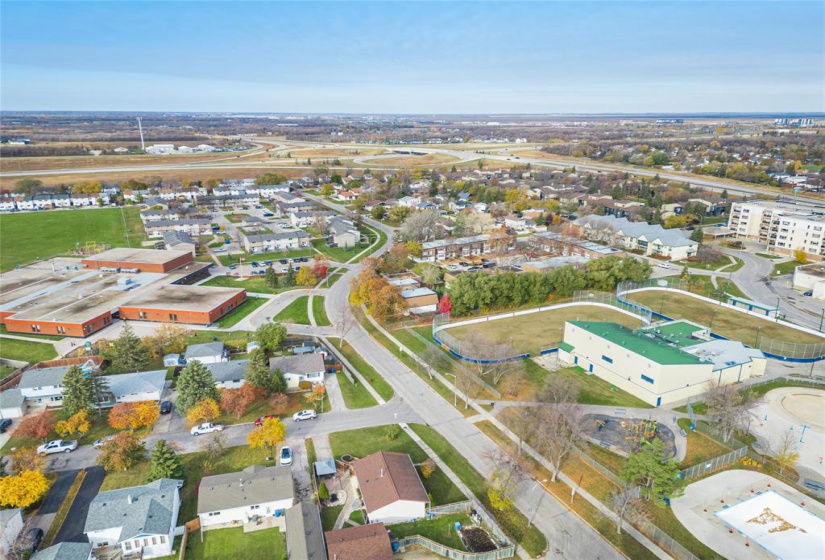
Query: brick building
[(183, 304)]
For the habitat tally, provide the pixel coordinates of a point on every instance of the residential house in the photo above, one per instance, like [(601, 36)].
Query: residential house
[(194, 227), (357, 543), (180, 241), (135, 387), (342, 233), (139, 520), (267, 242), (420, 301), (562, 245), (638, 236), (269, 191), (12, 403), (251, 495), (390, 488), (44, 387), (208, 353), (304, 367), (345, 196), (304, 539), (408, 201), (304, 219), (461, 247), (11, 524), (228, 375), (65, 551)]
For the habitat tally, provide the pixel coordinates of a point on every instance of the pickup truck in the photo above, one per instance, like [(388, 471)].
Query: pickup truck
[(206, 428), (57, 446)]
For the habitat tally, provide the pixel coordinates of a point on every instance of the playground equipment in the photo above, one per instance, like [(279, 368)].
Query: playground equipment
[(640, 431)]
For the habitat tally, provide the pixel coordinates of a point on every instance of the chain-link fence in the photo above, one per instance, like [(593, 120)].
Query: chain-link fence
[(471, 351), (665, 541), (604, 298), (782, 349)]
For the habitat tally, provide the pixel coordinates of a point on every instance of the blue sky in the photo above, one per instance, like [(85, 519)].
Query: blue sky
[(413, 57)]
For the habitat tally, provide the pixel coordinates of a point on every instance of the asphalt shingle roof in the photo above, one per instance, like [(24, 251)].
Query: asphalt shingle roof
[(138, 510), (253, 485), (385, 477), (195, 351), (227, 371), (140, 382), (299, 365), (65, 551)]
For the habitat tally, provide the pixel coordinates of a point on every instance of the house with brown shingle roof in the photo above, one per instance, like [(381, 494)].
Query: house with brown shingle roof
[(367, 542), (390, 487)]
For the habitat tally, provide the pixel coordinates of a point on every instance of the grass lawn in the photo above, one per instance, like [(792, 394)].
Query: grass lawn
[(332, 279), (5, 371), (371, 234), (233, 459), (374, 378), (703, 285), (296, 312), (329, 515), (726, 322), (233, 317), (222, 544), (38, 235), (235, 217), (338, 254), (700, 448), (441, 529), (536, 331), (512, 521), (611, 461), (768, 256), (357, 516), (722, 261), (441, 489), (26, 351), (234, 258), (355, 394), (295, 402), (202, 336), (319, 312), (253, 285), (595, 390), (785, 268)]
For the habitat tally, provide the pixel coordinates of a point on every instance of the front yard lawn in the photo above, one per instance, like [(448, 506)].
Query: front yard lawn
[(319, 312), (355, 394), (234, 317), (784, 268), (329, 515), (373, 377), (223, 544), (296, 312), (252, 285), (441, 529)]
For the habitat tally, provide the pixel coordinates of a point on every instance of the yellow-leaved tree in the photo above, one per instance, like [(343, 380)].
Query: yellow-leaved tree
[(268, 435), (75, 424), (204, 411), (23, 490)]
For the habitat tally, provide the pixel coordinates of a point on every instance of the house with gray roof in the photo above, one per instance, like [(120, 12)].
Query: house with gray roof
[(342, 233), (228, 375), (135, 387), (138, 520), (638, 236), (255, 494), (65, 551), (268, 242), (12, 403), (303, 367), (208, 353), (11, 524), (304, 535)]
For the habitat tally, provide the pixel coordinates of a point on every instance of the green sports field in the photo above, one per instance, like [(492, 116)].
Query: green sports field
[(37, 235), (726, 322), (536, 331)]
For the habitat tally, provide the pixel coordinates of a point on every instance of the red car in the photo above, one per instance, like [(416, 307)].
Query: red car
[(260, 420)]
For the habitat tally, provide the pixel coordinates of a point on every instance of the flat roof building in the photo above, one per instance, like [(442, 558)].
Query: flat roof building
[(144, 260), (171, 303), (660, 364)]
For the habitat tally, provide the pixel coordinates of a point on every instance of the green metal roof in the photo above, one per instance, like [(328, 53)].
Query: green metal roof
[(678, 332), (647, 346), (566, 347)]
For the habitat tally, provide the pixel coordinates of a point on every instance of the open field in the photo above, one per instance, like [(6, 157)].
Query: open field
[(255, 285), (38, 235), (331, 153), (406, 160), (26, 351), (234, 317), (12, 164), (296, 312), (536, 331), (726, 322)]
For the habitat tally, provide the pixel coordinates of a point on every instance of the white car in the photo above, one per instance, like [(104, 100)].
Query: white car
[(57, 446), (102, 441), (663, 265), (206, 428), (304, 415), (286, 455)]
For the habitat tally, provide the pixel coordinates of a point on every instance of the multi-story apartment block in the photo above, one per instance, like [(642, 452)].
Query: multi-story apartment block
[(784, 227)]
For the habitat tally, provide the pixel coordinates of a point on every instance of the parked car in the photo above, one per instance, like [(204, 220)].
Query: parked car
[(259, 421), (31, 541), (663, 265), (206, 428), (57, 446), (286, 455), (808, 293), (305, 415), (102, 441), (166, 407), (283, 261), (4, 425), (462, 263)]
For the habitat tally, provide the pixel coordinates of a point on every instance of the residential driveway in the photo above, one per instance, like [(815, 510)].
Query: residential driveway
[(72, 529), (57, 492)]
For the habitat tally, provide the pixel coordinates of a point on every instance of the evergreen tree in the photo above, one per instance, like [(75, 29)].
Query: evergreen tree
[(278, 382), (194, 385), (257, 370), (100, 390), (655, 472), (165, 463), (697, 235), (289, 278), (271, 279), (130, 354), (77, 391)]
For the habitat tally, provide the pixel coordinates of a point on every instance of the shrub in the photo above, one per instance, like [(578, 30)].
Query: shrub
[(392, 432)]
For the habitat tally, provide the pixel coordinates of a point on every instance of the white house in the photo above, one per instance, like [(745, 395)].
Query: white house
[(228, 499), (65, 551), (138, 520), (269, 191), (390, 488), (228, 375), (135, 387), (638, 236), (304, 367), (12, 404), (283, 241), (208, 353), (11, 523)]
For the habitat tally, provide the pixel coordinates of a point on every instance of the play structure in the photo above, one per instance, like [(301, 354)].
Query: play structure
[(626, 435)]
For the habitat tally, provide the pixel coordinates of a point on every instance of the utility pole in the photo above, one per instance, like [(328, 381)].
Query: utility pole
[(142, 144)]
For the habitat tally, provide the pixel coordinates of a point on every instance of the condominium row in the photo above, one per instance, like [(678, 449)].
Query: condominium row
[(783, 226)]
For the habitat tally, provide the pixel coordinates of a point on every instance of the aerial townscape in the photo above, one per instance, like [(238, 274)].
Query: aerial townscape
[(412, 280)]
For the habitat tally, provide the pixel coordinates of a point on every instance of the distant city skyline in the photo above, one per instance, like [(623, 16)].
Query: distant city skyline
[(414, 58)]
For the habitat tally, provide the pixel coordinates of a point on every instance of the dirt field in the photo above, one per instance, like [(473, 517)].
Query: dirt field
[(537, 331), (75, 162), (726, 322), (428, 159)]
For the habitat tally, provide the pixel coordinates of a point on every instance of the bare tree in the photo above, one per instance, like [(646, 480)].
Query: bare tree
[(419, 226), (344, 322), (522, 422), (214, 445), (559, 390), (625, 502), (729, 406), (507, 474), (784, 451), (558, 430)]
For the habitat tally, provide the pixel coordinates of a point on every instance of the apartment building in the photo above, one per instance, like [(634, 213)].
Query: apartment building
[(638, 236), (460, 247), (784, 227)]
